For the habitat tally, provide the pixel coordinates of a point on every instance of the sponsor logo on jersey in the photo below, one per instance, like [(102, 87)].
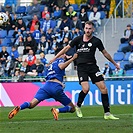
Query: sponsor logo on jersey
[(89, 44)]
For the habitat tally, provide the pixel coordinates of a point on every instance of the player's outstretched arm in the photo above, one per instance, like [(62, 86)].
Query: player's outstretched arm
[(63, 51), (108, 56), (65, 64)]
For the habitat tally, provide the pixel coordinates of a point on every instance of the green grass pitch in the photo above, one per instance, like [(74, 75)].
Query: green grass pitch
[(40, 120)]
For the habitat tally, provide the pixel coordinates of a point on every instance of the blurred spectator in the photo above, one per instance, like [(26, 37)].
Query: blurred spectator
[(39, 67), (107, 71), (14, 54), (83, 16), (34, 10), (90, 3), (1, 70), (70, 13), (76, 23), (8, 25), (32, 23), (128, 48), (14, 21), (45, 12), (66, 22), (18, 64), (75, 32), (31, 60), (45, 62), (37, 34), (22, 76), (130, 65), (65, 34), (29, 44), (54, 45), (47, 24), (9, 66), (95, 17), (119, 72), (65, 7), (16, 76), (126, 35), (52, 4), (19, 26), (3, 56), (105, 6), (19, 39), (43, 47), (57, 13), (9, 5)]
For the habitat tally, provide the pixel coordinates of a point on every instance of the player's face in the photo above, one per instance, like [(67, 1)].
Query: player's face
[(88, 29)]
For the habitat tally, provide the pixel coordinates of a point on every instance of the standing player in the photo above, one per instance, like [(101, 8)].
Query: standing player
[(53, 88), (86, 46)]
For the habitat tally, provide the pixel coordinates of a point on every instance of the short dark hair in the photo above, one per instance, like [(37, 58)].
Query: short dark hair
[(89, 23)]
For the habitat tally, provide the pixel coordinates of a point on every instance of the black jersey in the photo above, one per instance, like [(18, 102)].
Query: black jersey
[(86, 50)]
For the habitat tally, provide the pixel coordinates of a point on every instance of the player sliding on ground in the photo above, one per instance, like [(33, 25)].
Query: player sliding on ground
[(53, 88)]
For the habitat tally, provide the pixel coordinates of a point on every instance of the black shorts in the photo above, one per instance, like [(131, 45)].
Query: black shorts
[(89, 70)]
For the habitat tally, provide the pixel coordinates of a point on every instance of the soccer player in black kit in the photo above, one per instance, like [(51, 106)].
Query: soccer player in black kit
[(86, 46)]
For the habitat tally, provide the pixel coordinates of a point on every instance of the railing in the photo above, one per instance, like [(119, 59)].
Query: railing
[(122, 1)]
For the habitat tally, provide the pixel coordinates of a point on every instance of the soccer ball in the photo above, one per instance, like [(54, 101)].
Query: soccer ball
[(3, 18)]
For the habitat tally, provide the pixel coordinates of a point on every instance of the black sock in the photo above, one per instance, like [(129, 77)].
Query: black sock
[(105, 102), (81, 98)]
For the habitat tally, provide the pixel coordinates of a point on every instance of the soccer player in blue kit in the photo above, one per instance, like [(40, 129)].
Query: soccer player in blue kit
[(53, 88)]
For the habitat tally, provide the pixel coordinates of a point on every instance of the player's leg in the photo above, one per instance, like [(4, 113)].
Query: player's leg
[(83, 81), (40, 96), (25, 105), (105, 100), (63, 99)]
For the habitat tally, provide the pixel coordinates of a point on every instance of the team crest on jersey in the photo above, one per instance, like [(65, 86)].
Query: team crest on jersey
[(89, 44)]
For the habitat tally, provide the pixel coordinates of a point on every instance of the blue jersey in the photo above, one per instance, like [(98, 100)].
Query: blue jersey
[(54, 71)]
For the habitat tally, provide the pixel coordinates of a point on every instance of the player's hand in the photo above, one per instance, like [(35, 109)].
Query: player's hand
[(75, 56), (117, 66)]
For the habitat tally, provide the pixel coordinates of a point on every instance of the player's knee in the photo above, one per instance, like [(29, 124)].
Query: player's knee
[(104, 90), (72, 110)]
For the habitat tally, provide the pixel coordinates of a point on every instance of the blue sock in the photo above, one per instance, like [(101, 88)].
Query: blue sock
[(24, 105), (65, 109)]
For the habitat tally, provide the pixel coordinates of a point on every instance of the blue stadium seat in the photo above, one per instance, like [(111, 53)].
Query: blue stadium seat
[(103, 15), (21, 9), (126, 58), (6, 42), (122, 45), (123, 63), (75, 7), (129, 72), (3, 33), (81, 6), (112, 66), (119, 56), (10, 34)]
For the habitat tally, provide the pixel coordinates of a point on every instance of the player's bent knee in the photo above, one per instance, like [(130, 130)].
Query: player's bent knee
[(72, 110)]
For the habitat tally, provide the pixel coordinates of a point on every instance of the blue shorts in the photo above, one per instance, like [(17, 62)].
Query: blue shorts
[(52, 90)]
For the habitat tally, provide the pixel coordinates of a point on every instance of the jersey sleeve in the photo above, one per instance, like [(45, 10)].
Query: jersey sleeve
[(100, 45), (75, 41)]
